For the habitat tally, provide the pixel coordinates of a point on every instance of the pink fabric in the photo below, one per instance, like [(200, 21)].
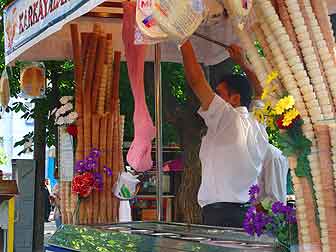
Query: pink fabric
[(139, 155)]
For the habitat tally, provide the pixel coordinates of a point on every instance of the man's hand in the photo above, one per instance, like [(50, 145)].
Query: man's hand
[(237, 54)]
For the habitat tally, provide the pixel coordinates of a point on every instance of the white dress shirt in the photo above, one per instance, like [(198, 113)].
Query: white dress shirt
[(273, 178), (231, 153)]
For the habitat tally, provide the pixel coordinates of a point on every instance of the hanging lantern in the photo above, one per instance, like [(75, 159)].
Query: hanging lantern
[(4, 89), (33, 80)]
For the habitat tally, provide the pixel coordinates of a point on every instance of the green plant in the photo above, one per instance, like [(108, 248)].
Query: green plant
[(3, 157)]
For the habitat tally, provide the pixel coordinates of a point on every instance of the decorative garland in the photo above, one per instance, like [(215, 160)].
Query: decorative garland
[(327, 61), (287, 57), (309, 56)]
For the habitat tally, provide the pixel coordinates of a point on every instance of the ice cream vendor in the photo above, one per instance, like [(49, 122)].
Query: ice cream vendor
[(233, 150)]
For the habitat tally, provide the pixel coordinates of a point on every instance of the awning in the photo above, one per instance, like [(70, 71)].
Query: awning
[(36, 30), (28, 22)]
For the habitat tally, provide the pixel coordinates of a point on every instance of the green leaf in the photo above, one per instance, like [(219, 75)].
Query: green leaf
[(266, 204), (19, 143), (3, 157)]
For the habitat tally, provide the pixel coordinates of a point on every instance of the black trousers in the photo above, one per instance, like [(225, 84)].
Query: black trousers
[(224, 214)]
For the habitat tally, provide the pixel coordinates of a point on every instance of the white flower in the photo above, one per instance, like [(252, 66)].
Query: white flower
[(64, 109), (58, 112), (73, 116), (60, 120), (65, 99), (61, 110), (67, 107), (28, 144), (66, 120)]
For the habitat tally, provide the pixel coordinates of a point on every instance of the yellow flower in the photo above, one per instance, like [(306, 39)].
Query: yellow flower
[(271, 123), (284, 104), (265, 93), (259, 115), (268, 89), (272, 76), (264, 113), (290, 116)]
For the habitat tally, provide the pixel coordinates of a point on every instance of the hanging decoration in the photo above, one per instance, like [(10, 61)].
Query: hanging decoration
[(33, 80), (4, 89)]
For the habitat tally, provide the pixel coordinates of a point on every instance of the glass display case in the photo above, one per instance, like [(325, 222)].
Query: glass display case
[(155, 237)]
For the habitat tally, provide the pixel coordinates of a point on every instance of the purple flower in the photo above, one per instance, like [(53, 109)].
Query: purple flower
[(290, 214), (80, 166), (97, 176), (261, 221), (277, 207), (248, 227), (254, 189), (291, 219), (95, 153), (256, 222), (251, 212), (253, 192), (91, 164), (108, 171), (285, 210), (248, 223), (252, 199), (99, 180)]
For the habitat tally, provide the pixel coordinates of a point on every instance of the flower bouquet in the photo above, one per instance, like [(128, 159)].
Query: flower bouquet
[(284, 121), (271, 218), (88, 179), (65, 115)]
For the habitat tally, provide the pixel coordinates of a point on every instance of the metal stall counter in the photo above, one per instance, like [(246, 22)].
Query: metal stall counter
[(155, 237)]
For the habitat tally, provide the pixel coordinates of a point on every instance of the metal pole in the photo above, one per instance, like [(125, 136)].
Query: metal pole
[(211, 40), (158, 124)]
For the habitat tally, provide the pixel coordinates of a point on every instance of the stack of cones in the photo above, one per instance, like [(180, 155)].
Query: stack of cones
[(97, 73)]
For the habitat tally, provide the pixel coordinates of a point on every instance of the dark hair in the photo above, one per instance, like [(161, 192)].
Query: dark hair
[(238, 84)]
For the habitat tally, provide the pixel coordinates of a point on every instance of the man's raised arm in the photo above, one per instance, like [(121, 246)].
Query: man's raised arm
[(195, 76)]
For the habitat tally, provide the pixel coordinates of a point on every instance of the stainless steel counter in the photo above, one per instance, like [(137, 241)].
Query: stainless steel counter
[(155, 237)]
